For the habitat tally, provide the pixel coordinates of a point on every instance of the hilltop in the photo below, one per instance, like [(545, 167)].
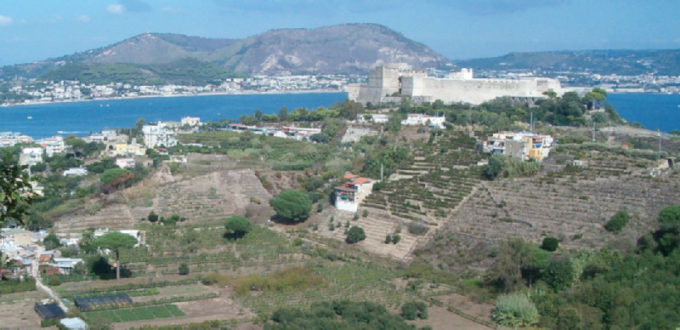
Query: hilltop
[(603, 61), (346, 49)]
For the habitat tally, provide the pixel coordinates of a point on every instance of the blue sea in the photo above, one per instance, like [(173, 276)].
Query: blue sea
[(653, 111), (82, 118)]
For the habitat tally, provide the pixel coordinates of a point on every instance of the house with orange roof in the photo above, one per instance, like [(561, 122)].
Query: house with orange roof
[(350, 194)]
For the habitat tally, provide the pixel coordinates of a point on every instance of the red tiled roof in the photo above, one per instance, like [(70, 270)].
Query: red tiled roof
[(348, 176), (360, 180)]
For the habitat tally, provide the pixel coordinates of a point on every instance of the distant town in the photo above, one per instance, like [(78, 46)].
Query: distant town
[(37, 91)]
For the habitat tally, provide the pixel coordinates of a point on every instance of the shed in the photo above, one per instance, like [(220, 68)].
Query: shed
[(73, 323), (49, 311)]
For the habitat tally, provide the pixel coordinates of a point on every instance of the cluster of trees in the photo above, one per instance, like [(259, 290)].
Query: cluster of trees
[(505, 167), (169, 221), (582, 289), (346, 109), (341, 314)]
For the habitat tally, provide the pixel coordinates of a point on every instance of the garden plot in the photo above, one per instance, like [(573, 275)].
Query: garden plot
[(16, 310), (376, 225)]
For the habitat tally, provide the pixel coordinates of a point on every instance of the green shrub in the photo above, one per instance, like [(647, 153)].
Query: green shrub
[(617, 222), (237, 226), (292, 205), (183, 269), (515, 310), (413, 310), (388, 239), (355, 234), (396, 238), (550, 244), (417, 228)]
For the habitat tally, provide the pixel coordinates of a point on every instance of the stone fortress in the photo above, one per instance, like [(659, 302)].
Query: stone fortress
[(389, 82)]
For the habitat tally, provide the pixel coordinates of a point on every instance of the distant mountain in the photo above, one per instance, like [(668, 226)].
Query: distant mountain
[(622, 62), (349, 48)]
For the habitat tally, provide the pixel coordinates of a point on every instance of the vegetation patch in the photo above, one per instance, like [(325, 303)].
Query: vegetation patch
[(296, 278)]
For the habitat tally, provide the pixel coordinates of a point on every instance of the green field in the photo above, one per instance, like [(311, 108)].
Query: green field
[(134, 314)]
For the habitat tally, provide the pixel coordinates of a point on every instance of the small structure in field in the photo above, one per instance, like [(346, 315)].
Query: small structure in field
[(349, 195)]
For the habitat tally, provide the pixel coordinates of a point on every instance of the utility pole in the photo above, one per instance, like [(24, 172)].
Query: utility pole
[(660, 136), (382, 171), (593, 131)]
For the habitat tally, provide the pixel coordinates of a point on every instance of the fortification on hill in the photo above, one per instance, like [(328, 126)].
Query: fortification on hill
[(389, 82)]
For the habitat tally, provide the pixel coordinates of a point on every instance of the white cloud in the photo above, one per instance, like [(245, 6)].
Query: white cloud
[(171, 10), (115, 8), (83, 18), (5, 20)]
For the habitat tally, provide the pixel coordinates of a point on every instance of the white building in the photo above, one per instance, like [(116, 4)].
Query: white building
[(75, 171), (160, 134), (522, 145), (419, 119), (190, 121), (53, 145), (349, 196), (125, 162), (31, 156)]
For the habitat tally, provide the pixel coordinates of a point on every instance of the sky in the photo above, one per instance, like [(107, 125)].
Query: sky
[(33, 30)]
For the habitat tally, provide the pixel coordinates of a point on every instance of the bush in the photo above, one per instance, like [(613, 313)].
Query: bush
[(237, 227), (617, 222), (396, 238), (355, 234), (51, 241), (417, 228), (183, 269), (388, 239), (413, 310), (292, 205), (152, 217), (54, 281), (550, 244), (515, 310)]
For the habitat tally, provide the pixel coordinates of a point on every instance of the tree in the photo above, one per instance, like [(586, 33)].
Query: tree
[(152, 217), (550, 244), (51, 241), (292, 205), (258, 114), (183, 269), (355, 234), (617, 222), (237, 226), (16, 193), (115, 241), (283, 113)]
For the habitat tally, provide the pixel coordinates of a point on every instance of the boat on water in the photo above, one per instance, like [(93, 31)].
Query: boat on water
[(29, 117)]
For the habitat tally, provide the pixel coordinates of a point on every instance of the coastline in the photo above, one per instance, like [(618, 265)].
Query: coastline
[(311, 91)]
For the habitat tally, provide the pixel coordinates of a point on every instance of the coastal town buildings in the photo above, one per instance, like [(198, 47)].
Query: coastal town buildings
[(31, 156), (390, 82), (160, 134), (521, 145), (10, 139), (349, 195), (52, 145)]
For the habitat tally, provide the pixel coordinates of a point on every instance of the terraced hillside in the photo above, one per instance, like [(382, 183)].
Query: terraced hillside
[(423, 192), (196, 196)]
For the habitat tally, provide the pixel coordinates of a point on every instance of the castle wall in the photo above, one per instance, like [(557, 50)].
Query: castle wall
[(474, 91)]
